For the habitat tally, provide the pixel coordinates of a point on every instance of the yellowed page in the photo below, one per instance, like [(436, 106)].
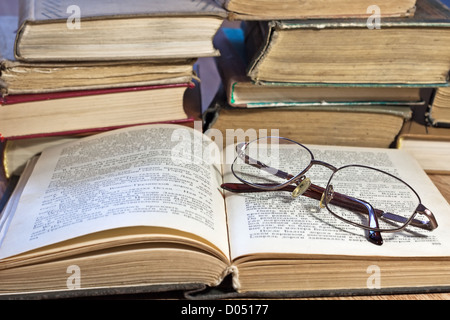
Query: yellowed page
[(274, 222), (141, 176)]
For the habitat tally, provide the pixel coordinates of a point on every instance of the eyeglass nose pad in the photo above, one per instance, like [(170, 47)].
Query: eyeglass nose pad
[(241, 146), (304, 184), (326, 196)]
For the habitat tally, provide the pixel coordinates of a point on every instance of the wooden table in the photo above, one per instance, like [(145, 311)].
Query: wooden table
[(443, 184)]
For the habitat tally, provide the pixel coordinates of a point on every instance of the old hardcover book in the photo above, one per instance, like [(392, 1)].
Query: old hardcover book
[(405, 51), (116, 30), (16, 152), (17, 77), (343, 125), (242, 91), (439, 113), (143, 208), (33, 115), (312, 9), (430, 146)]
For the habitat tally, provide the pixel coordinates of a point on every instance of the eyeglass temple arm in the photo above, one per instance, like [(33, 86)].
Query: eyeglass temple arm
[(315, 192)]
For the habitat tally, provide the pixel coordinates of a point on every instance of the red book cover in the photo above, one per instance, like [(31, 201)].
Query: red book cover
[(10, 100)]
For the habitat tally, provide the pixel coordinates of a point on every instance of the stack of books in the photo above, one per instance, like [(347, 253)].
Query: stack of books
[(70, 70), (336, 75)]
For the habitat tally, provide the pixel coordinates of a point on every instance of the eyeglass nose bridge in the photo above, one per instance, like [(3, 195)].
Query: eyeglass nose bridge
[(324, 164)]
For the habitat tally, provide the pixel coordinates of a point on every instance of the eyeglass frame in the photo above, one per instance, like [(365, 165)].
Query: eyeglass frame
[(320, 193)]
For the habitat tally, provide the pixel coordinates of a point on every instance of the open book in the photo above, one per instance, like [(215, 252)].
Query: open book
[(142, 208)]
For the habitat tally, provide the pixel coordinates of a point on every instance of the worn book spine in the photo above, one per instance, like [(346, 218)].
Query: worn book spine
[(258, 39)]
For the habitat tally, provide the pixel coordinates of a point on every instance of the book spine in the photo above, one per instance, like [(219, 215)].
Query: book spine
[(259, 37)]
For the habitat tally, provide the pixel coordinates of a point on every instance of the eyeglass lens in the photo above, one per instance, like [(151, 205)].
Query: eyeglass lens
[(373, 190), (280, 159)]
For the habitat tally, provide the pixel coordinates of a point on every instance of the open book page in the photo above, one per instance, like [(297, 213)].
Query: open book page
[(275, 222), (141, 176)]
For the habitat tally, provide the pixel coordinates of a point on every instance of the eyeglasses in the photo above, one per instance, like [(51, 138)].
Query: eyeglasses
[(264, 165)]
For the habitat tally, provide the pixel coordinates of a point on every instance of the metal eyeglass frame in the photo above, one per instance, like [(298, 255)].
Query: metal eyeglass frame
[(300, 185)]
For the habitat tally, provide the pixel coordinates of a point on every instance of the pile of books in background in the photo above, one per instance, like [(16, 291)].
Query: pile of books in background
[(345, 73), (70, 69)]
